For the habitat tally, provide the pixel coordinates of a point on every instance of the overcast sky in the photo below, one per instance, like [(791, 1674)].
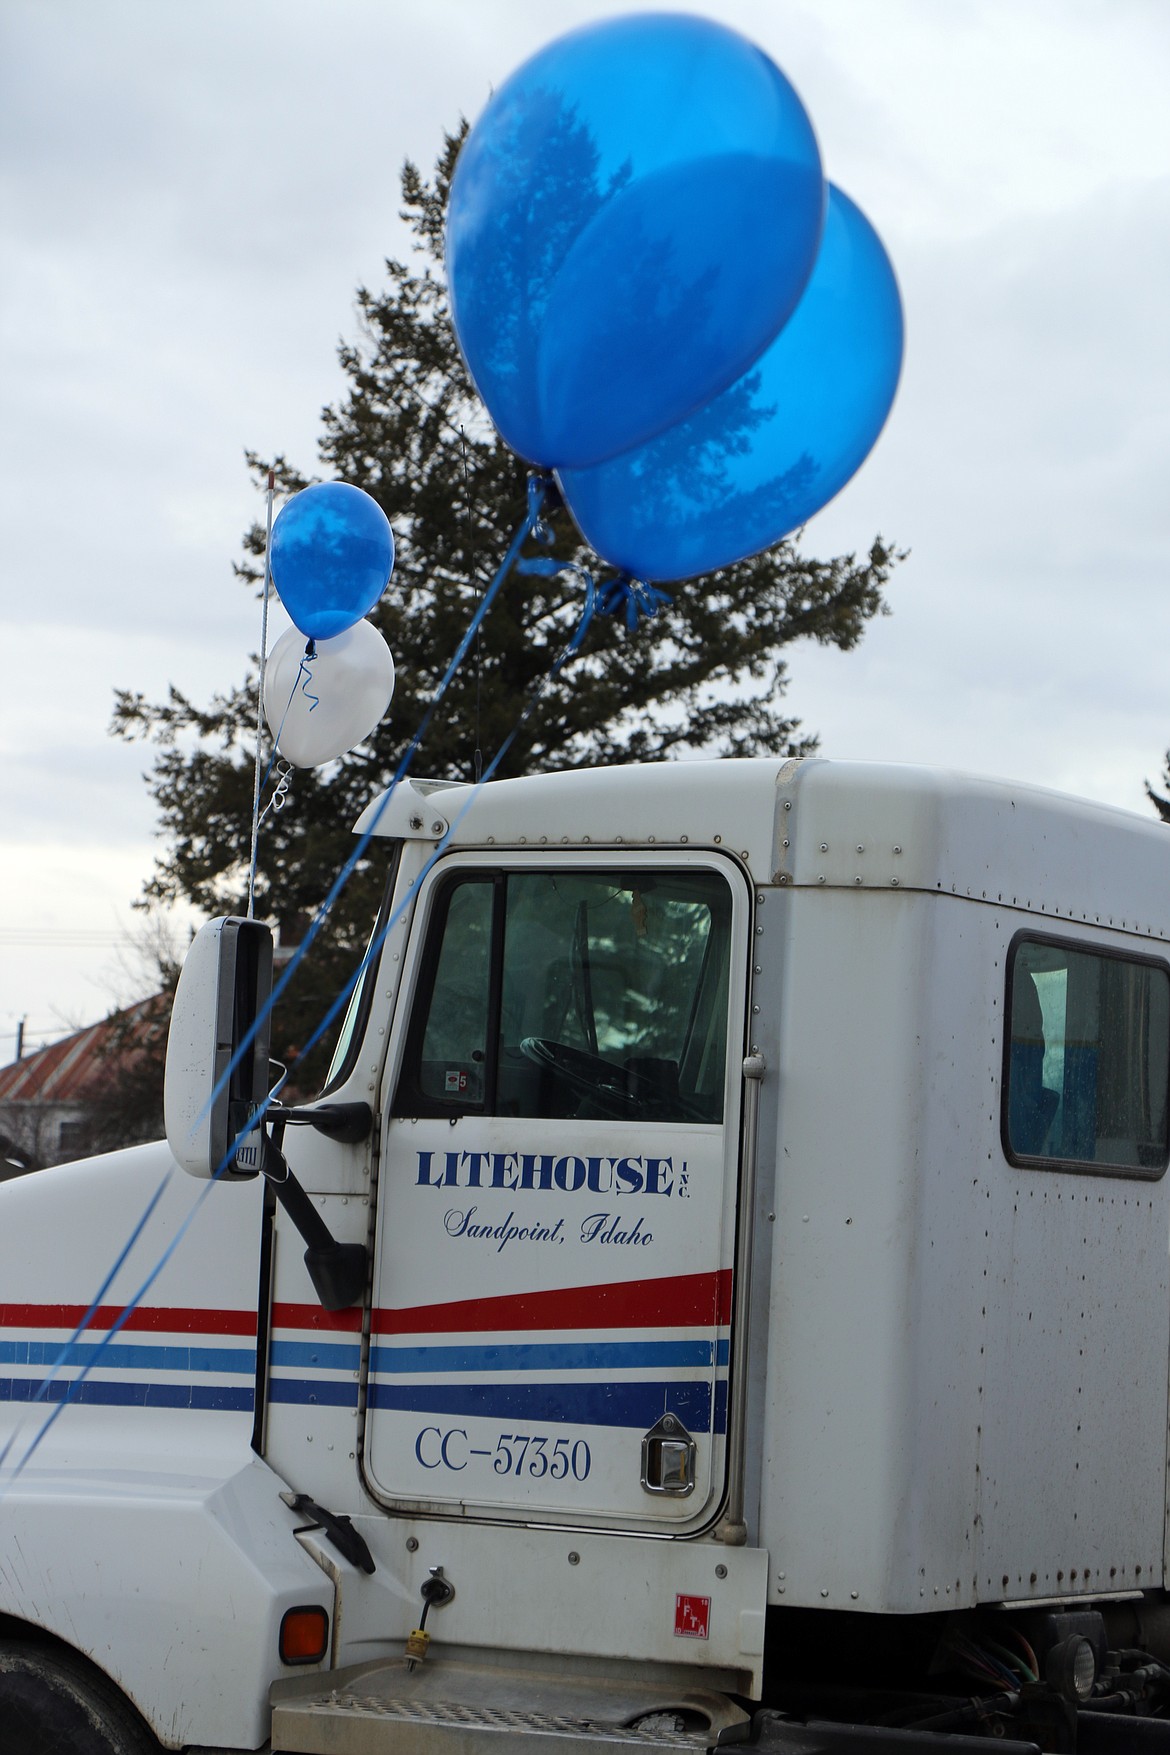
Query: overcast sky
[(189, 195)]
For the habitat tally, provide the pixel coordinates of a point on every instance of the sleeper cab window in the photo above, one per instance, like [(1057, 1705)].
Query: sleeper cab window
[(1087, 1064), (599, 993)]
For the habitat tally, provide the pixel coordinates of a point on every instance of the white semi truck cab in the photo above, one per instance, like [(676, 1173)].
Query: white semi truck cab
[(722, 1295)]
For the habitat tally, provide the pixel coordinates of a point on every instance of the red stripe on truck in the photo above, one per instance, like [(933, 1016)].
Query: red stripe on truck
[(168, 1319), (678, 1301)]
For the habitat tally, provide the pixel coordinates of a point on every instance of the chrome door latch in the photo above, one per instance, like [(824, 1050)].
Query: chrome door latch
[(668, 1458)]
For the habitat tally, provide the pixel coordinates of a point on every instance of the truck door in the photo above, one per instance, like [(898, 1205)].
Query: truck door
[(550, 1332)]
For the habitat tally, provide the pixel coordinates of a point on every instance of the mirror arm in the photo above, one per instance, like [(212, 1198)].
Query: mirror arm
[(348, 1123), (337, 1270)]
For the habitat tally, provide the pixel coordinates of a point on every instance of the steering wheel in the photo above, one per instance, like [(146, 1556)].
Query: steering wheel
[(620, 1091), (590, 1075)]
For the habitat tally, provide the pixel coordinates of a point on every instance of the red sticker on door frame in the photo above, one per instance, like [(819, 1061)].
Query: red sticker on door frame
[(692, 1617)]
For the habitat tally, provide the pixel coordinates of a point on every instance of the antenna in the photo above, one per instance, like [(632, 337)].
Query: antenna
[(260, 702), (478, 758)]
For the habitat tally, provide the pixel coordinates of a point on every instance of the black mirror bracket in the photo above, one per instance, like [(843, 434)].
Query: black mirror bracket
[(339, 1271), (347, 1123)]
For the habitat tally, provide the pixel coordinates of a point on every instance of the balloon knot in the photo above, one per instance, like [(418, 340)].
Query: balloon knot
[(540, 490), (635, 596)]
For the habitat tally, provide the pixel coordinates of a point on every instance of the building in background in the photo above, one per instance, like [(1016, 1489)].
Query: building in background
[(96, 1090)]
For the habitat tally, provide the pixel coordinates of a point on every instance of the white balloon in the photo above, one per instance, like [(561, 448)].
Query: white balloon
[(320, 707)]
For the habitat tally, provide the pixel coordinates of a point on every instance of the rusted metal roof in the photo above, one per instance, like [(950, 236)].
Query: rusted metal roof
[(76, 1067)]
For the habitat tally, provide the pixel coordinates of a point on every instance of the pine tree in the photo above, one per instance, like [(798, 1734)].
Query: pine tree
[(706, 673), (1160, 802)]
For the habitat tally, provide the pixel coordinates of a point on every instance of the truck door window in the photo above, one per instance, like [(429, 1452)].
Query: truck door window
[(574, 993), (1088, 1060), (453, 1051)]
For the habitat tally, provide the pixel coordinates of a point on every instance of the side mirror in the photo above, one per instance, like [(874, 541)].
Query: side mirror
[(225, 986), (221, 1004)]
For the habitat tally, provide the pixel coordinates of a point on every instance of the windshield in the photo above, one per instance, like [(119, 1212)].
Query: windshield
[(349, 1036)]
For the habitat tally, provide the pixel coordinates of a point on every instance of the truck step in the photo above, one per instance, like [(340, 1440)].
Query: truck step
[(460, 1708), (339, 1723)]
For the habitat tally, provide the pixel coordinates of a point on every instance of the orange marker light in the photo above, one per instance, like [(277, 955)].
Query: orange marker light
[(304, 1635)]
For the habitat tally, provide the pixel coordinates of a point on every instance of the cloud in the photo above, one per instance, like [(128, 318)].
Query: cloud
[(189, 196)]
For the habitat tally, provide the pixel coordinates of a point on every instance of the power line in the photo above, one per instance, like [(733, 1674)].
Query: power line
[(70, 936), (31, 1032)]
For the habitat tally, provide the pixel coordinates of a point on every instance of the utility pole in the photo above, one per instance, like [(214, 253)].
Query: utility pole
[(20, 1037)]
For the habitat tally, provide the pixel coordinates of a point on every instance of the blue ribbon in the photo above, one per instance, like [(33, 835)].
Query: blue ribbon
[(537, 564), (635, 596), (536, 490), (63, 1355), (537, 485), (624, 592)]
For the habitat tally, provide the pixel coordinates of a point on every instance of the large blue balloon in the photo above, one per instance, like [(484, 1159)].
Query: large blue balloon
[(331, 557), (631, 220), (760, 459)]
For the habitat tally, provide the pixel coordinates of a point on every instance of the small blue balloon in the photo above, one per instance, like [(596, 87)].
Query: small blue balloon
[(760, 459), (631, 220), (332, 555)]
